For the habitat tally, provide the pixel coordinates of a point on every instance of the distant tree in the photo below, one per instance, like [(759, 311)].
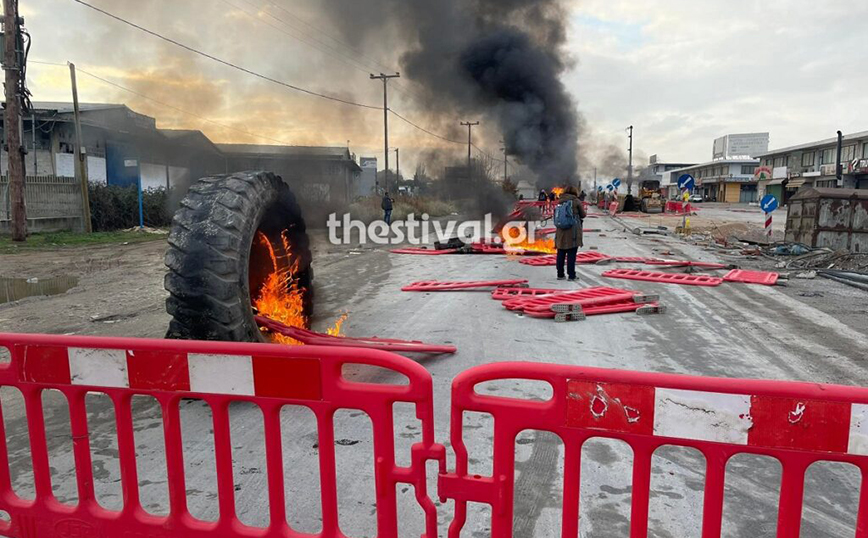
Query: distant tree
[(509, 187)]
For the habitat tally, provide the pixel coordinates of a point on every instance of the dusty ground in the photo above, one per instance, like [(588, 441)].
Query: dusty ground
[(812, 330)]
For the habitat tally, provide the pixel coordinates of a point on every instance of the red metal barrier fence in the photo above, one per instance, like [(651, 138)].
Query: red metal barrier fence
[(267, 376), (797, 423)]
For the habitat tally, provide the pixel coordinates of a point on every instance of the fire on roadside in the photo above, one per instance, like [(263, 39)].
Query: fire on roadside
[(512, 240), (281, 297), (558, 191)]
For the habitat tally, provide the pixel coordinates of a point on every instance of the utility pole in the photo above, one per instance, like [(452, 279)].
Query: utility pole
[(470, 127), (505, 163), (80, 155), (630, 165), (398, 164), (385, 78), (12, 119), (595, 179)]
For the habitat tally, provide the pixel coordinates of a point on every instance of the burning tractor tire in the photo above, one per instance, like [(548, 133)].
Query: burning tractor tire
[(238, 246)]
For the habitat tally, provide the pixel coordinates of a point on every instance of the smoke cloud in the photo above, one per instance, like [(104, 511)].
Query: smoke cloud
[(497, 61)]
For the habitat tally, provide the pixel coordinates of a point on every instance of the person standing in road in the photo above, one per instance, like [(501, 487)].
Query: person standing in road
[(387, 208), (542, 196), (569, 215)]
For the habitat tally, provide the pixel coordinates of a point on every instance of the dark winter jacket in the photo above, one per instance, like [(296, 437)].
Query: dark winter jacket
[(387, 203), (542, 196), (572, 238)]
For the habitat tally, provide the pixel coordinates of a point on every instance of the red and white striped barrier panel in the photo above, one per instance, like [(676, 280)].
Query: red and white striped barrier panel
[(665, 278), (434, 285), (680, 208), (312, 338), (796, 423), (266, 376), (764, 278)]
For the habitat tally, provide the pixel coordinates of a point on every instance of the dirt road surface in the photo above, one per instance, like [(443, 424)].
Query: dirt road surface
[(812, 330)]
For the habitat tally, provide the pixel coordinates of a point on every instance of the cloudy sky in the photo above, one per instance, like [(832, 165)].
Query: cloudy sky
[(681, 71)]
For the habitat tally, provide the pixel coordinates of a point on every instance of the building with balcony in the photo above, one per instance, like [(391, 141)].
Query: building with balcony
[(813, 165), (657, 170), (724, 180)]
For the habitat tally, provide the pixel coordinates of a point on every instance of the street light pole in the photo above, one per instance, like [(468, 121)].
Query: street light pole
[(630, 164)]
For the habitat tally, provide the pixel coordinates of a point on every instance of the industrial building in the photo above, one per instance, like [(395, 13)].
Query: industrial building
[(316, 174), (813, 165)]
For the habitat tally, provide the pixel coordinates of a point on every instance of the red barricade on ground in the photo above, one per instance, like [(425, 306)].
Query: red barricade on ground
[(551, 259), (502, 294), (312, 338), (665, 278), (752, 277), (685, 263), (487, 248), (423, 251), (797, 423), (576, 312), (586, 296), (434, 285), (263, 375)]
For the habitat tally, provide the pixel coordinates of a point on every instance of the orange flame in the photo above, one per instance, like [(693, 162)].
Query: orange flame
[(511, 237), (558, 191), (281, 297)]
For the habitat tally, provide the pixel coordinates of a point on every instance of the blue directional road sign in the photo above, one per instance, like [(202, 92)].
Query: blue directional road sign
[(600, 189), (610, 187), (616, 183), (686, 182), (769, 203)]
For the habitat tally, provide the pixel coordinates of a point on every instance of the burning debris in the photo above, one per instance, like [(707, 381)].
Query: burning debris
[(282, 296)]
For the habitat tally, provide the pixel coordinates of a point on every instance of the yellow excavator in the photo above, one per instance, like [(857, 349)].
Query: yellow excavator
[(650, 199)]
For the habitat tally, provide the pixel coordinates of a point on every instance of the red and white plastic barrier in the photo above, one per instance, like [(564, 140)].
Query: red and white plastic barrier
[(798, 424)]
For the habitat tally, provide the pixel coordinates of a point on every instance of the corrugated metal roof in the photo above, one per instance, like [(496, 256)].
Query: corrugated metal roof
[(293, 151), (67, 108), (818, 144)]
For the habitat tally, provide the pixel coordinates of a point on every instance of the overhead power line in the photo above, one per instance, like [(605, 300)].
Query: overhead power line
[(167, 105), (254, 74), (224, 62)]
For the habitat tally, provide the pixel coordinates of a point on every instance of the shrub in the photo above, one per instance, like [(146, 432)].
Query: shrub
[(117, 208), (368, 209)]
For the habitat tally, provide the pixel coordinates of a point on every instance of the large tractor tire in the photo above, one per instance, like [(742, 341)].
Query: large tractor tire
[(217, 258)]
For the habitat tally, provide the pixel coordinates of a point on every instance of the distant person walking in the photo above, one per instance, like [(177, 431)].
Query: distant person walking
[(569, 214), (387, 208), (542, 196), (552, 196)]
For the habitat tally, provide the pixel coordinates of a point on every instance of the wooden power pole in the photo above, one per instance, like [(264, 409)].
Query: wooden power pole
[(385, 78), (80, 155), (470, 127), (12, 119)]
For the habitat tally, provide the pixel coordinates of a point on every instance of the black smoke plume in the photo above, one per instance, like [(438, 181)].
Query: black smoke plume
[(498, 61)]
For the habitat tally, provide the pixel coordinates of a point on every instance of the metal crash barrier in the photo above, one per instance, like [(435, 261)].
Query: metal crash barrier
[(796, 423), (268, 376)]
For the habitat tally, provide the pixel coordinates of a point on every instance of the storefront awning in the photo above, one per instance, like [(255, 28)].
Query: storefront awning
[(776, 182), (795, 183)]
